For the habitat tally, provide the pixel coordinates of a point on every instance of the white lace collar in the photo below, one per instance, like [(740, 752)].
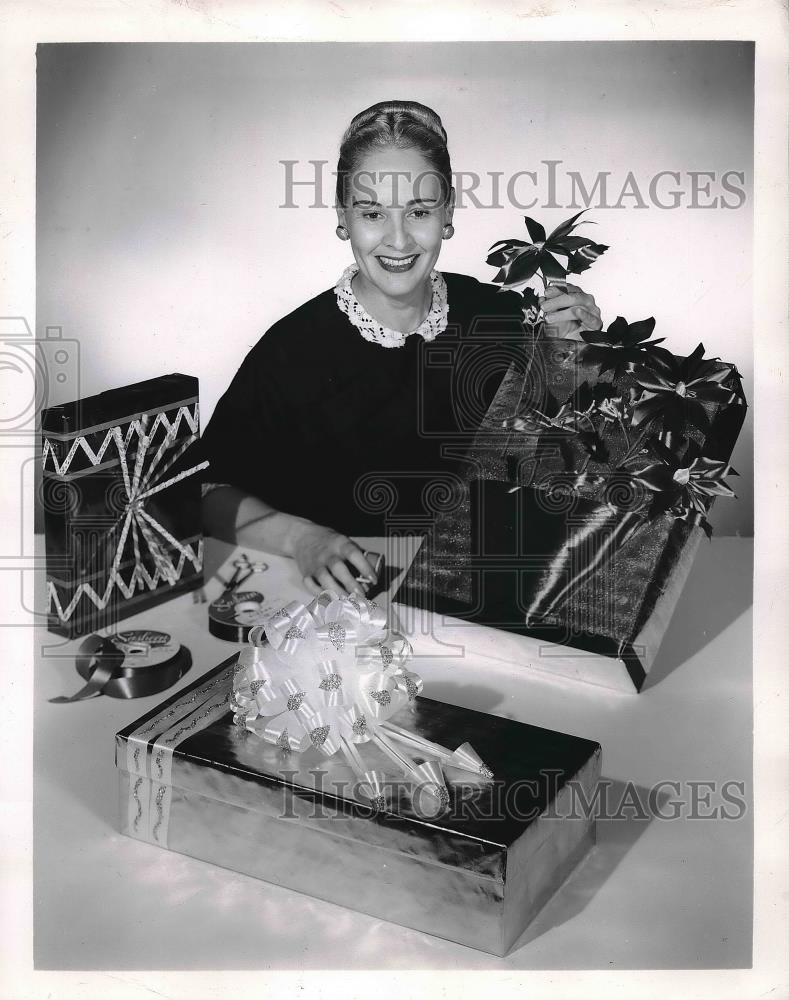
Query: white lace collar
[(434, 323)]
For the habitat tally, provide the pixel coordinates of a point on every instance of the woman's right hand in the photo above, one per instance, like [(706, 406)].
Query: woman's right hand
[(321, 554)]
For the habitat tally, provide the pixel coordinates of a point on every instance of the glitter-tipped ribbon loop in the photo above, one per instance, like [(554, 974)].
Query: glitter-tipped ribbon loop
[(370, 614), (288, 626), (321, 729), (381, 697), (291, 640), (319, 608), (272, 730), (354, 725), (267, 698), (409, 684), (338, 635), (373, 787), (431, 786), (467, 758)]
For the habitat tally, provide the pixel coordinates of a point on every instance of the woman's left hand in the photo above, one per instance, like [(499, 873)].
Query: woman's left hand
[(568, 310)]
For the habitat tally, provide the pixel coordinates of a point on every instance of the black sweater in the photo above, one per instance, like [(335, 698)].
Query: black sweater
[(321, 423)]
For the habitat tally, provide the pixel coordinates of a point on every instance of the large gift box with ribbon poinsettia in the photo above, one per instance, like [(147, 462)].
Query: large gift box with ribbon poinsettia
[(312, 760), (121, 502), (590, 481)]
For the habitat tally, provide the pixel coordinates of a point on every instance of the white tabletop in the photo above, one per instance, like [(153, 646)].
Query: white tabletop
[(654, 893)]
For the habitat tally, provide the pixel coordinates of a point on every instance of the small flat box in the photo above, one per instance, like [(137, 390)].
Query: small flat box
[(193, 782)]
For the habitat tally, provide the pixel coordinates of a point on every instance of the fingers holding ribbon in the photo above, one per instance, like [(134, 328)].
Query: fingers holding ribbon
[(330, 560), (343, 576)]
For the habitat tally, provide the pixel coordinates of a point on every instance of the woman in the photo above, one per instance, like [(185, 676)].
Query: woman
[(341, 387)]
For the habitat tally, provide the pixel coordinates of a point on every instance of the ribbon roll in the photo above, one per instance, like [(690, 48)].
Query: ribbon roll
[(131, 664)]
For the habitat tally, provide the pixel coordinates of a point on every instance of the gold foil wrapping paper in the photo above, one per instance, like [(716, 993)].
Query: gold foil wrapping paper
[(193, 782)]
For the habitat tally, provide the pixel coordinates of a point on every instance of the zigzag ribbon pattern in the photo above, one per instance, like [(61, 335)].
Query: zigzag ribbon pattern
[(140, 484), (184, 414)]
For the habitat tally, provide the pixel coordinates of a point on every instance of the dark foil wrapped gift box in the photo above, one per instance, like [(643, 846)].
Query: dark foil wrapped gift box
[(121, 499), (533, 564), (193, 782)]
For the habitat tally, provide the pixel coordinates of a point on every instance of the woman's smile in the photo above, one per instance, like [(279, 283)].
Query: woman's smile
[(397, 265)]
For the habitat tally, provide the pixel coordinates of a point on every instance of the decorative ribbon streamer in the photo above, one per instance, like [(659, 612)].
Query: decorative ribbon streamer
[(150, 746), (330, 675), (111, 667), (587, 547)]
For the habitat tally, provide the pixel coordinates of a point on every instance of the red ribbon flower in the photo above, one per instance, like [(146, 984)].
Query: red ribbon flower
[(687, 484), (675, 389), (518, 261), (622, 346)]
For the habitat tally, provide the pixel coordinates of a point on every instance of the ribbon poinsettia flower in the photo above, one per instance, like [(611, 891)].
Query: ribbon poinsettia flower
[(622, 346), (518, 260), (675, 389), (684, 485), (573, 418), (330, 675)]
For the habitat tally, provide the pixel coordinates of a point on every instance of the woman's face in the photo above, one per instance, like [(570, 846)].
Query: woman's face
[(395, 215)]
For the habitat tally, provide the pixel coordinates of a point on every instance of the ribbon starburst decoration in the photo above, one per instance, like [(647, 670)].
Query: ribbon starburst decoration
[(145, 474)]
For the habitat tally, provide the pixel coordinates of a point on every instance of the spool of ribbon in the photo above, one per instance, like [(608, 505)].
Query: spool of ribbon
[(330, 675), (235, 612), (232, 617), (131, 664)]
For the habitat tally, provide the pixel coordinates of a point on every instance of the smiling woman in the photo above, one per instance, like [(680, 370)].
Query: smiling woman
[(342, 387), (396, 235)]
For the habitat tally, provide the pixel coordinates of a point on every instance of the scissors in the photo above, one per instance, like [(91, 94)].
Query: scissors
[(244, 569)]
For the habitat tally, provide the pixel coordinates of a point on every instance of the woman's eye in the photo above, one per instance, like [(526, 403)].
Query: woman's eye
[(373, 216), (421, 213)]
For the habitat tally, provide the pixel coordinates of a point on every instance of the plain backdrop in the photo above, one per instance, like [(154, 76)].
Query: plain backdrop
[(161, 241)]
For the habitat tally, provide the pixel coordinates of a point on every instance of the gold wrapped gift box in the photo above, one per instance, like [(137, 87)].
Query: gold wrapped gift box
[(192, 781)]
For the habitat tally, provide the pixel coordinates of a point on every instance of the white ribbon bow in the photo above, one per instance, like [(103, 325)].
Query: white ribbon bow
[(330, 675)]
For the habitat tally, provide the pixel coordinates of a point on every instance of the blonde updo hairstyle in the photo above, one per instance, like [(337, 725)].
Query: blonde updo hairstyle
[(403, 124)]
